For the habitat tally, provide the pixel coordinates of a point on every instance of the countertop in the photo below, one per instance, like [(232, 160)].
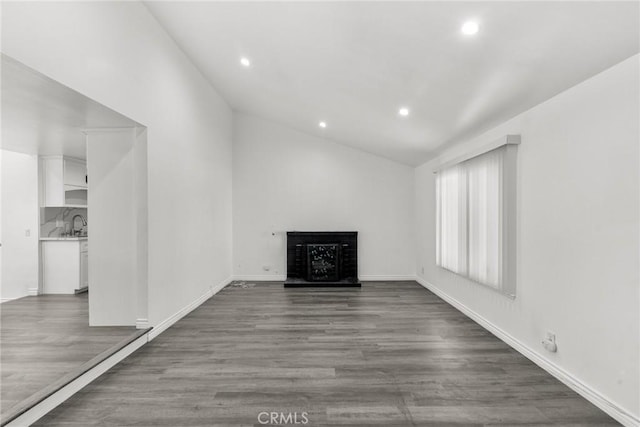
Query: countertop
[(64, 238)]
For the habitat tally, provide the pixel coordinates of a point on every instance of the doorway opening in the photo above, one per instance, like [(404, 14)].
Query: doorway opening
[(73, 229)]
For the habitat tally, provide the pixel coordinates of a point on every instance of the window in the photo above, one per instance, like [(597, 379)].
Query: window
[(476, 217)]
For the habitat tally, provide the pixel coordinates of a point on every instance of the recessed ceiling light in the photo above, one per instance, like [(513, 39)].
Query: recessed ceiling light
[(469, 28), (322, 125), (404, 111), (245, 61)]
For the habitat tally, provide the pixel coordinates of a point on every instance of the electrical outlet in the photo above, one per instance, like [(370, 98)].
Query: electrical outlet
[(27, 233), (551, 337), (549, 342)]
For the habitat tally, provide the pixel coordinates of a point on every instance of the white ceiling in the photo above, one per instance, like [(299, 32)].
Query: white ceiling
[(353, 64), (41, 116)]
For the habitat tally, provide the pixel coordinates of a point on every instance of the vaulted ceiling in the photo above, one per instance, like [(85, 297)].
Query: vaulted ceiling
[(354, 64)]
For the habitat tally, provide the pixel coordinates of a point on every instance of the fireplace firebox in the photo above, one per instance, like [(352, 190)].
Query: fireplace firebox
[(322, 258)]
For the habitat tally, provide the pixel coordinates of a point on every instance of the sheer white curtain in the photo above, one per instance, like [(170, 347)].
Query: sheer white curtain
[(484, 174), (470, 200), (451, 249)]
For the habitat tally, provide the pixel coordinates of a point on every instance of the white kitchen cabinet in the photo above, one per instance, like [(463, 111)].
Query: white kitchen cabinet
[(64, 265), (75, 173), (63, 181), (84, 265), (52, 181)]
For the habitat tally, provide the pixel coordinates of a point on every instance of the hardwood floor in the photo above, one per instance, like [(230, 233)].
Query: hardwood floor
[(388, 354), (43, 339)]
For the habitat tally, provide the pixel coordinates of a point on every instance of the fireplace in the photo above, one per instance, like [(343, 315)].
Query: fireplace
[(322, 258)]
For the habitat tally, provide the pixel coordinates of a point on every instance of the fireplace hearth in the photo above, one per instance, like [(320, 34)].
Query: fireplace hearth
[(322, 258)]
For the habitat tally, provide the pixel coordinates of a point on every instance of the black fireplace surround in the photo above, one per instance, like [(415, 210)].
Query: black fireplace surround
[(322, 258)]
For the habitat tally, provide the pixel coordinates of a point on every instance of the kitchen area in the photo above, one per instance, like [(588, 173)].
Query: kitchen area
[(64, 233)]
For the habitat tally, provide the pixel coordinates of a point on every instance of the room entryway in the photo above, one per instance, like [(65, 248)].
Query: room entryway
[(73, 220)]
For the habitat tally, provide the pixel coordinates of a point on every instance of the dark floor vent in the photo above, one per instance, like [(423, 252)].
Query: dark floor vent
[(322, 258)]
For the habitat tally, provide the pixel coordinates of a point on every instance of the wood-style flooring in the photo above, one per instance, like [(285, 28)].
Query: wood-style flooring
[(42, 339), (388, 354)]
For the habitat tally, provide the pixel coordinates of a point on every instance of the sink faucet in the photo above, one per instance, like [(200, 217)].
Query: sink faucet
[(82, 218)]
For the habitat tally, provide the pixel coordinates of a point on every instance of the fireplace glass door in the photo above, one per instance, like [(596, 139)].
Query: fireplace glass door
[(323, 262)]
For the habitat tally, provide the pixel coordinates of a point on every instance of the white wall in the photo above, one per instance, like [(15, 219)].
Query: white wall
[(577, 233), (285, 180), (1, 225), (19, 207), (117, 54), (113, 228)]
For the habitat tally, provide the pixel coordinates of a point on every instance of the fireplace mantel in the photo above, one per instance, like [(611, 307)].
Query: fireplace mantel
[(322, 258)]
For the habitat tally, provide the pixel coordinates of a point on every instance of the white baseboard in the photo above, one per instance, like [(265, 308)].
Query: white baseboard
[(592, 395), (41, 409), (15, 298), (32, 292), (261, 278), (166, 324), (385, 278)]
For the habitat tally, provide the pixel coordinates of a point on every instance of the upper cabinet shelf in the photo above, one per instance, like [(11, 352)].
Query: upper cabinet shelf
[(63, 181)]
